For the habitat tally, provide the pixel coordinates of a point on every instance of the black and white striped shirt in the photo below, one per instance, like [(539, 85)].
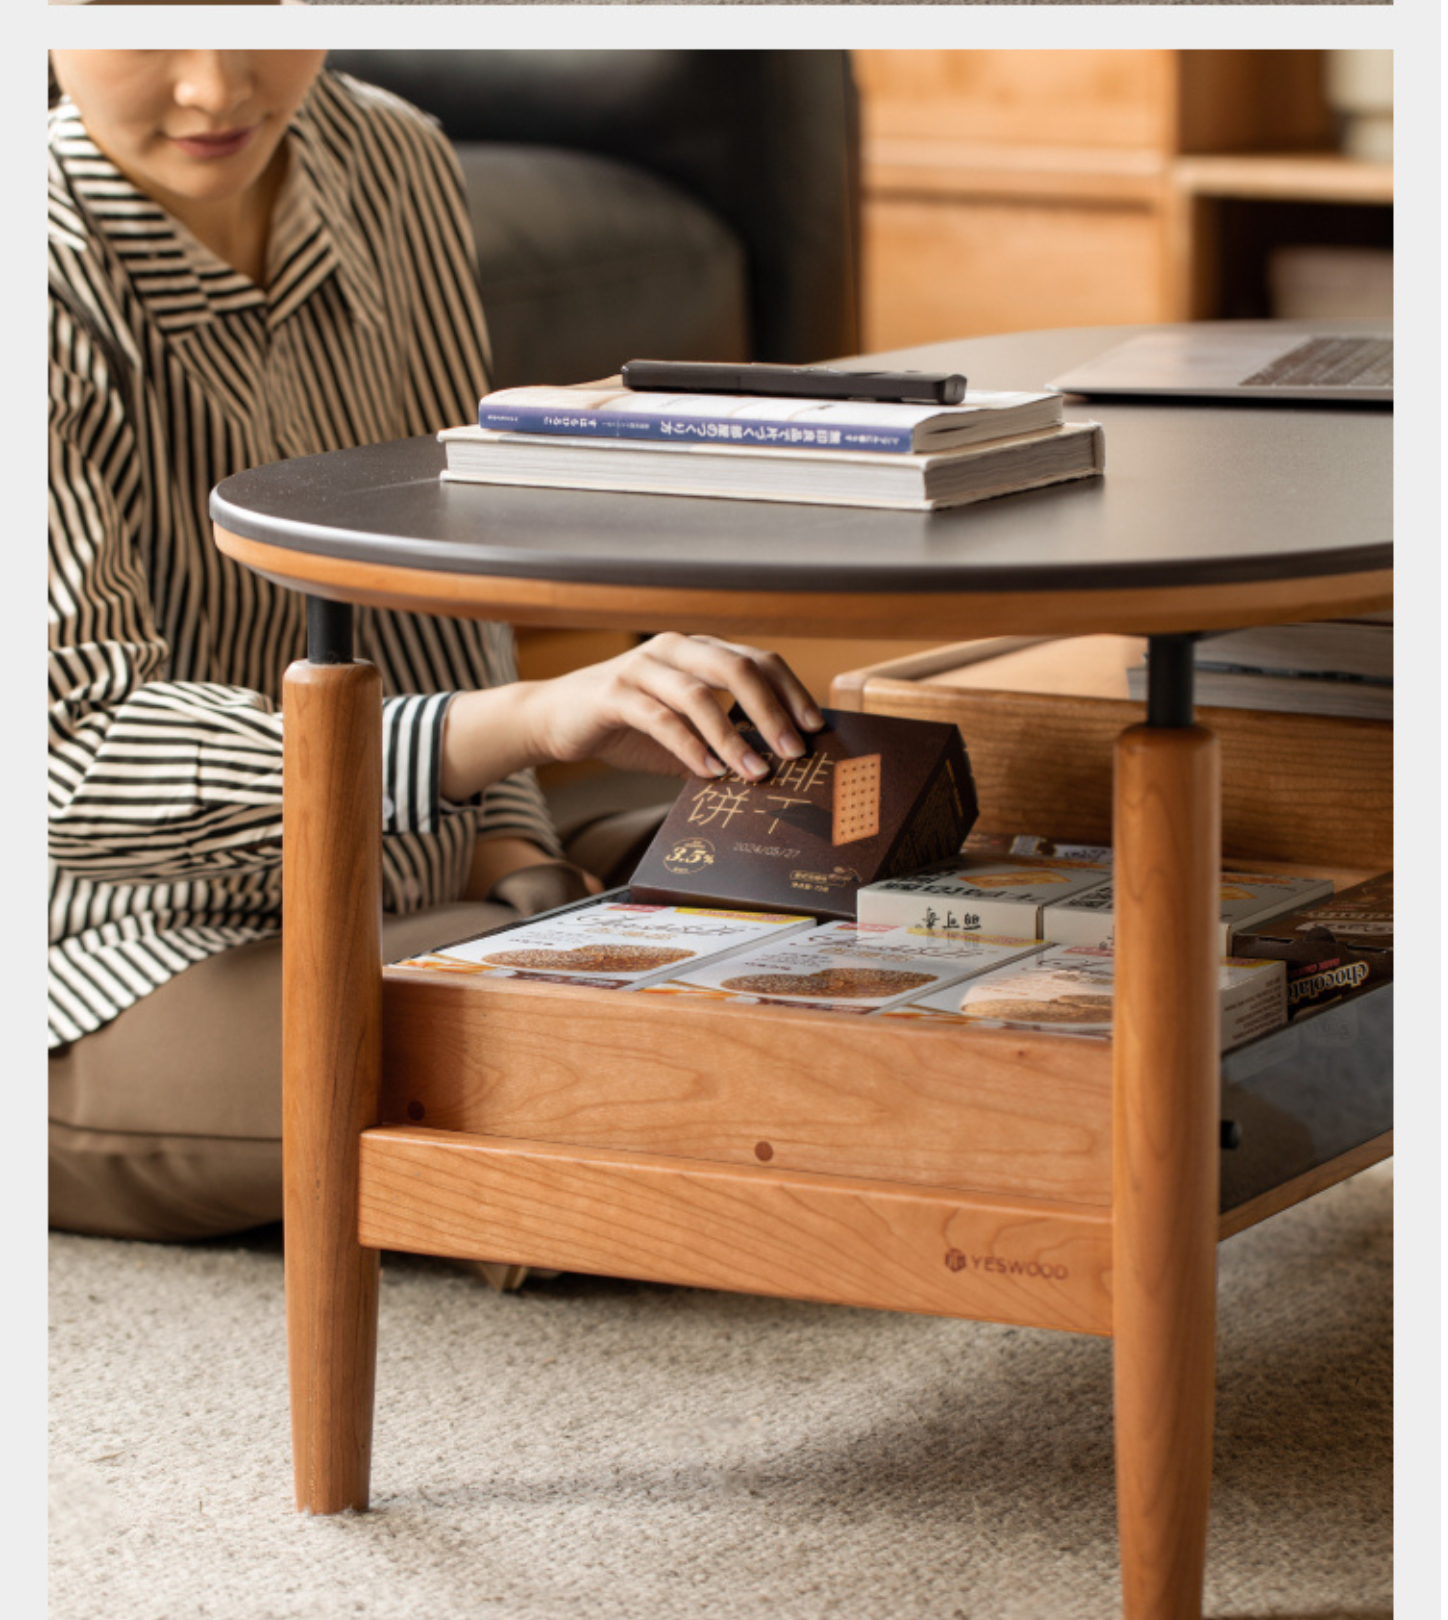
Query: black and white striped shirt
[(169, 370)]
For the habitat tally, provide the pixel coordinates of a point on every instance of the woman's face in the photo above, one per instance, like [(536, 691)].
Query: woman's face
[(193, 129)]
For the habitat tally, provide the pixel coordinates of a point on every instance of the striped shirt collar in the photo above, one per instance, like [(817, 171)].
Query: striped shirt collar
[(183, 284)]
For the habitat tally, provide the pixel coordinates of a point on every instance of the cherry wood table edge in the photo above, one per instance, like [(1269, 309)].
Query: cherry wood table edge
[(866, 614)]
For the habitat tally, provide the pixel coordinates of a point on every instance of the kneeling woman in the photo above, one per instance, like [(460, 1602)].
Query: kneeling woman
[(253, 259)]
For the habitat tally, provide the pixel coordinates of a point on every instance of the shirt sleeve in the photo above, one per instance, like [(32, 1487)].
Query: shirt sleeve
[(152, 778), (149, 777)]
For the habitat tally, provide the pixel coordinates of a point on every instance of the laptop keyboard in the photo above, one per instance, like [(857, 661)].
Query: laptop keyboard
[(1329, 362)]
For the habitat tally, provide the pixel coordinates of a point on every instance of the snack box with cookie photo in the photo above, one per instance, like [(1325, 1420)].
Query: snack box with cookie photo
[(871, 795), (847, 967), (981, 894), (1248, 899), (1069, 990), (609, 944), (1335, 948)]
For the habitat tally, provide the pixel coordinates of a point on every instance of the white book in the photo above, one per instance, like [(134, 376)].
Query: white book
[(904, 481)]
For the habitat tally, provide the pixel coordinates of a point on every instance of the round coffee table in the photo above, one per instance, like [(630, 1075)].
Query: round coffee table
[(1209, 516)]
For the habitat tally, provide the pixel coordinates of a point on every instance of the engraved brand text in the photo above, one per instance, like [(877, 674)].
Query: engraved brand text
[(957, 1261)]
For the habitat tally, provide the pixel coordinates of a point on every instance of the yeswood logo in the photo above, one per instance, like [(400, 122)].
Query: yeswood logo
[(958, 1261)]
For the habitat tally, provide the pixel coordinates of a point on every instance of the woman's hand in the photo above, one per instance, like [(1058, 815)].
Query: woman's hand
[(656, 708), (653, 708)]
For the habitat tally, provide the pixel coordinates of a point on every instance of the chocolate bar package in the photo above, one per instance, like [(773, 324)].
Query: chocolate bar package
[(871, 796), (981, 894), (1333, 948), (1248, 899), (846, 967), (1069, 990), (609, 944)]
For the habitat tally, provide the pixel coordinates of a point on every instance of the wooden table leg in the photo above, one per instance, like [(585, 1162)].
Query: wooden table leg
[(1165, 1169), (332, 1029)]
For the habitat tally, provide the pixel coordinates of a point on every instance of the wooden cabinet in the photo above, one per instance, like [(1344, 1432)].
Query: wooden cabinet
[(1005, 190)]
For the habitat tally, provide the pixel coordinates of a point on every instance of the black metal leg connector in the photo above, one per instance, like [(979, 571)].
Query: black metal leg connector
[(1170, 665), (329, 631)]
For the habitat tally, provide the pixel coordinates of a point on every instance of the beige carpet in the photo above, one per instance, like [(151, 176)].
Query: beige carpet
[(602, 1449)]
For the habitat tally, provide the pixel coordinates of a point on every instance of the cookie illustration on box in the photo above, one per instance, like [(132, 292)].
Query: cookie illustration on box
[(871, 796), (857, 799), (842, 983)]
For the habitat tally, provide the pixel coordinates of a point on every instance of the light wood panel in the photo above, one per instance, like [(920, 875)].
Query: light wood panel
[(850, 1242), (331, 1029), (1245, 100), (972, 264), (1296, 787), (920, 615), (1081, 141), (809, 1091), (1038, 97), (1286, 177)]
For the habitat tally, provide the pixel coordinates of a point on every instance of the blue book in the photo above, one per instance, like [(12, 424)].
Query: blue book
[(757, 423)]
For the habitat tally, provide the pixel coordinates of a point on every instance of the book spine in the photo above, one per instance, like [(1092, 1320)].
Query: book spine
[(691, 429)]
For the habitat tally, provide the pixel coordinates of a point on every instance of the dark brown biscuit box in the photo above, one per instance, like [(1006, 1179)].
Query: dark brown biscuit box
[(1340, 945), (871, 797)]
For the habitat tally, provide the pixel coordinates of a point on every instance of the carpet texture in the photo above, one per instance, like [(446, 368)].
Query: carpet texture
[(607, 1449)]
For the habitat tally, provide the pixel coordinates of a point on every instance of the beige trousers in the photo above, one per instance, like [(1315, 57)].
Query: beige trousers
[(166, 1123)]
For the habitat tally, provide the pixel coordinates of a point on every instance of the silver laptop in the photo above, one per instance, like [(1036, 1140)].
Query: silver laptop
[(1253, 363)]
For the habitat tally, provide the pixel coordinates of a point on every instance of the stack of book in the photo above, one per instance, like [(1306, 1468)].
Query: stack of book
[(1341, 667), (746, 447)]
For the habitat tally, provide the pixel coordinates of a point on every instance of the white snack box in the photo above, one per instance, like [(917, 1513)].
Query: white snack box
[(806, 970), (980, 895), (610, 942), (1043, 993), (1247, 899)]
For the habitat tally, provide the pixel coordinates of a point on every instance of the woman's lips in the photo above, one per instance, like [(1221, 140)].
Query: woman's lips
[(224, 145)]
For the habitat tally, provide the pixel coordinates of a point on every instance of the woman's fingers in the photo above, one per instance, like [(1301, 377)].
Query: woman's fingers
[(657, 718), (665, 694), (763, 684), (694, 698)]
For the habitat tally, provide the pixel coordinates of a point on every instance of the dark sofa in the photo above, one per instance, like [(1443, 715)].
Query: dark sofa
[(669, 204)]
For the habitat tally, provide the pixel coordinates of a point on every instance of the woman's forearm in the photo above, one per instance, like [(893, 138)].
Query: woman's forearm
[(486, 736)]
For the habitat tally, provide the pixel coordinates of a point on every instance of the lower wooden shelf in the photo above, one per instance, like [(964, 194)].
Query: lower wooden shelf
[(859, 1160)]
